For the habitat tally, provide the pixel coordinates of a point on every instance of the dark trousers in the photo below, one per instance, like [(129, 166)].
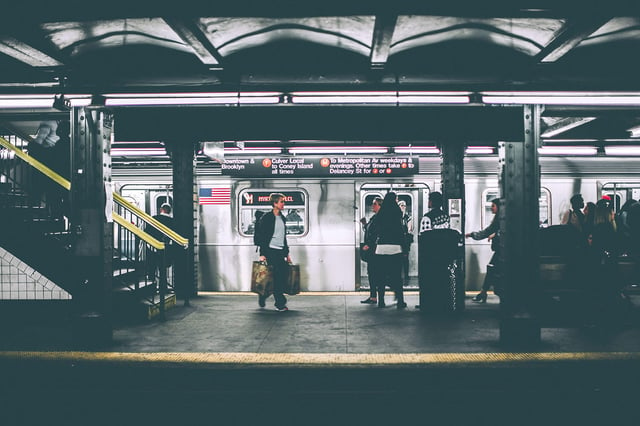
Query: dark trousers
[(373, 271), (280, 272), (490, 279), (390, 274)]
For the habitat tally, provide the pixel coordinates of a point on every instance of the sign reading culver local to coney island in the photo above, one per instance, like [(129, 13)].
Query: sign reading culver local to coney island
[(320, 166)]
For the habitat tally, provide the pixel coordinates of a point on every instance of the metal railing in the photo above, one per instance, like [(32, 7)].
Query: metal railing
[(141, 261)]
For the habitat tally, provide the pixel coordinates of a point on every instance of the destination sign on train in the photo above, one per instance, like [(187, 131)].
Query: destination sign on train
[(320, 166)]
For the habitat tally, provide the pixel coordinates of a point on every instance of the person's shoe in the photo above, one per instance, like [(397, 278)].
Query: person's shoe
[(282, 309), (480, 297), (381, 304), (401, 305), (262, 301), (369, 301)]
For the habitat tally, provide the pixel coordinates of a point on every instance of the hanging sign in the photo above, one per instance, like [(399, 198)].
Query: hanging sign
[(320, 166)]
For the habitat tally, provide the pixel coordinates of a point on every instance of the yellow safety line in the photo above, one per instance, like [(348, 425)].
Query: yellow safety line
[(151, 220), (317, 359), (37, 164), (117, 197), (137, 231)]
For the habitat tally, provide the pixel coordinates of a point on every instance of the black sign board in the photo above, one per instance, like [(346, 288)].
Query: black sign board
[(263, 198), (320, 166)]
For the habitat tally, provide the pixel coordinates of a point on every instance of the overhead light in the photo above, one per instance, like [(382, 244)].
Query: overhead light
[(564, 125), (224, 98), (568, 150), (634, 132), (562, 98), (253, 150), (478, 150), (27, 102), (138, 152), (380, 97), (417, 97), (416, 150), (338, 150), (385, 97), (622, 150)]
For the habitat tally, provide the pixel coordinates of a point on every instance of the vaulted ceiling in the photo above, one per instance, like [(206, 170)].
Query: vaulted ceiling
[(72, 46)]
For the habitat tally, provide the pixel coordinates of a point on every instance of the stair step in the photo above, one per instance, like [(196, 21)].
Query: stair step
[(153, 308)]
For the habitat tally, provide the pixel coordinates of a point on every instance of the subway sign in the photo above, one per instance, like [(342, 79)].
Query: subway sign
[(263, 198), (329, 166)]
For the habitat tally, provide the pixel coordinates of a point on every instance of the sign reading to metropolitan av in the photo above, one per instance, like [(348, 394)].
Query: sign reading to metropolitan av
[(320, 166)]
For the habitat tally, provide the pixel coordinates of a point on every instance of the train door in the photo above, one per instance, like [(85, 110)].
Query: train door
[(412, 199)]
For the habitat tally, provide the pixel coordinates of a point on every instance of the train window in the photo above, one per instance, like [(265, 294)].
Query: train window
[(544, 206), (487, 196), (254, 203), (368, 203)]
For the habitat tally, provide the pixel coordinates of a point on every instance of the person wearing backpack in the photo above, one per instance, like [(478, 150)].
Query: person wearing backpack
[(271, 238)]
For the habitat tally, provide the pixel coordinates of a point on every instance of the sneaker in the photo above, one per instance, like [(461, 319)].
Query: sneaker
[(262, 301), (283, 309)]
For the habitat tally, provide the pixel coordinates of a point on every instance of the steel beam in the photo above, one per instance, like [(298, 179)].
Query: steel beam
[(92, 224), (519, 224), (185, 212)]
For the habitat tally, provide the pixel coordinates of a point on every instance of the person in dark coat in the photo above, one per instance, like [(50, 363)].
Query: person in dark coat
[(271, 237), (153, 256), (389, 235), (370, 247), (492, 232)]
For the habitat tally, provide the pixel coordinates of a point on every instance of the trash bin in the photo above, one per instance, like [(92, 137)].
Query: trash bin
[(438, 271)]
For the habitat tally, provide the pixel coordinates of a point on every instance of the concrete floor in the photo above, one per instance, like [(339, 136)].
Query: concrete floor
[(329, 360), (341, 324), (325, 323)]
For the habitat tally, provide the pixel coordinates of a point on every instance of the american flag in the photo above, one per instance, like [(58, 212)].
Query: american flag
[(215, 196)]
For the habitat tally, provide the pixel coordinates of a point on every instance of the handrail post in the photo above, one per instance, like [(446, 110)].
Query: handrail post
[(162, 277)]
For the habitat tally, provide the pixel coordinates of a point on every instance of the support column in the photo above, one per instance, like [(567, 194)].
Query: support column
[(185, 210), (92, 224), (452, 174), (519, 223)]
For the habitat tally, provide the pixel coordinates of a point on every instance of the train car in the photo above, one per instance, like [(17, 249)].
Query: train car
[(324, 213)]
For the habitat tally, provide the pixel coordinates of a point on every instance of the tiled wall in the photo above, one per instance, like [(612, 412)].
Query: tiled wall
[(18, 281)]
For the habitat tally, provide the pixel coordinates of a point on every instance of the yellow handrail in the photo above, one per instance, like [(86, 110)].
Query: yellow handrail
[(138, 232), (37, 164), (179, 239), (151, 220)]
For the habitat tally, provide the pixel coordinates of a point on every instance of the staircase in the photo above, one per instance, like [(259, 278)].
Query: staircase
[(44, 242)]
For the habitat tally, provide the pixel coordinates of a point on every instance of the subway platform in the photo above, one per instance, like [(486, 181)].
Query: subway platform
[(225, 360)]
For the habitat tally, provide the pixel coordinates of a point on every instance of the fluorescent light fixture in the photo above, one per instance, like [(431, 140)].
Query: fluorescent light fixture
[(565, 125), (380, 97), (477, 150), (344, 98), (137, 152), (339, 150), (568, 150), (253, 150), (225, 98), (27, 102), (562, 98), (416, 150), (416, 97), (634, 132), (622, 150)]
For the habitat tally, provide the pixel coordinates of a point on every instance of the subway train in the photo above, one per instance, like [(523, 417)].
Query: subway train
[(324, 213)]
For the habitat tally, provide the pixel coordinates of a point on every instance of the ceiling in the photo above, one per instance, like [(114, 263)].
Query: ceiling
[(286, 46)]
